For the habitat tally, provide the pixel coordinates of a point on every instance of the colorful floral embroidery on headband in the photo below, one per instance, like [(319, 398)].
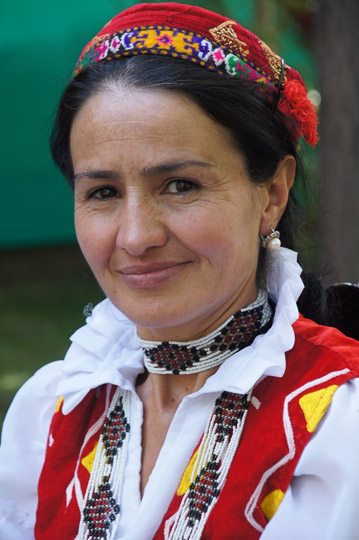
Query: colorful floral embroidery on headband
[(174, 42)]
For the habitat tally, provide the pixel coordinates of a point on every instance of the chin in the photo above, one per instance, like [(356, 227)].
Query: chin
[(155, 321), (159, 318)]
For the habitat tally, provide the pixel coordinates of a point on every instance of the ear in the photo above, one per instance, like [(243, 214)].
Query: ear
[(277, 191)]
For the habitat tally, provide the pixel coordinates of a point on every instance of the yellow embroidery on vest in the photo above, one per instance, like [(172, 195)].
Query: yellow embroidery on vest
[(186, 477), (190, 472), (58, 404), (271, 503), (88, 460), (315, 404)]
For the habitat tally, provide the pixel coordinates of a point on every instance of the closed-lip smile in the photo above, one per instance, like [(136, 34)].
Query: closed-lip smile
[(150, 275), (148, 268)]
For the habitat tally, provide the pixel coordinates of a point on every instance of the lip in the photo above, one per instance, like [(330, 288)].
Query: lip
[(150, 275)]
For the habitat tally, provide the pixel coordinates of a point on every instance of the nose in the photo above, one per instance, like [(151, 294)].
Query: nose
[(141, 227)]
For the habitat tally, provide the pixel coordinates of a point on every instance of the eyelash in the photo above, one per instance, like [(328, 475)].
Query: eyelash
[(189, 183), (98, 193)]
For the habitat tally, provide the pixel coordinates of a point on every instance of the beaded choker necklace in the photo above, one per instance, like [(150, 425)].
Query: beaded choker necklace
[(237, 332)]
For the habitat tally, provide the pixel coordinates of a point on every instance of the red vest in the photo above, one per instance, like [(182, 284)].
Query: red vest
[(281, 419)]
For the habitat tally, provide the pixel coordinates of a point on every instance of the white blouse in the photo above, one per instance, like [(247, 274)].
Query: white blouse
[(323, 498)]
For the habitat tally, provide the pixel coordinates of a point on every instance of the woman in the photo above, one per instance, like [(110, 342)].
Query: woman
[(194, 403)]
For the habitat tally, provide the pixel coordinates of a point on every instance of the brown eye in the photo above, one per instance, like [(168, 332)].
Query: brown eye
[(181, 186), (104, 193)]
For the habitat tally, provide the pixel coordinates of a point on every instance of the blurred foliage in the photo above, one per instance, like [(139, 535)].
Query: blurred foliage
[(43, 293)]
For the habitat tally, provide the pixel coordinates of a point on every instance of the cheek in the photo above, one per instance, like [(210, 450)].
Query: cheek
[(211, 244), (95, 239), (217, 235), (229, 246)]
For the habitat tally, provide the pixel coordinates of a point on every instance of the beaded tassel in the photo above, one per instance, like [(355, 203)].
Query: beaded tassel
[(101, 509), (214, 458), (237, 332)]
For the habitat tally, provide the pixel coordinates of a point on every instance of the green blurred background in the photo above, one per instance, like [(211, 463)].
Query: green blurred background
[(40, 42), (44, 282)]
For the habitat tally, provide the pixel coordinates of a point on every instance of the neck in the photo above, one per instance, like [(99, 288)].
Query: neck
[(185, 358), (203, 325), (166, 393)]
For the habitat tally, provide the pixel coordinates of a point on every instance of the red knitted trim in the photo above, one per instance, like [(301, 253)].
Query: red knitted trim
[(295, 103)]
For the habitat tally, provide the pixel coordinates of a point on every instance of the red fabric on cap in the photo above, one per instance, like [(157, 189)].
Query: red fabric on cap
[(192, 18), (154, 29)]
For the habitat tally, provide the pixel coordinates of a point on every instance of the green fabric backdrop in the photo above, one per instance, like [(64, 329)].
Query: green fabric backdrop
[(40, 42)]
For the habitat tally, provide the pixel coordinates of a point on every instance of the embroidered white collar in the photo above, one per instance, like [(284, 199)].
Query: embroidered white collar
[(106, 349)]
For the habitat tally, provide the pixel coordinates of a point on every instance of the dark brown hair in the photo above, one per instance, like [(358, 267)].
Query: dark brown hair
[(261, 134)]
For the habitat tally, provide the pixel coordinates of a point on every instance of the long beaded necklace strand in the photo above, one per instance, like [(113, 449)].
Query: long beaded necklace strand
[(214, 458), (101, 509), (237, 332)]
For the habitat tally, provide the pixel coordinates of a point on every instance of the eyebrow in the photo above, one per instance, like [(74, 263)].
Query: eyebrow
[(155, 170), (109, 175), (171, 167)]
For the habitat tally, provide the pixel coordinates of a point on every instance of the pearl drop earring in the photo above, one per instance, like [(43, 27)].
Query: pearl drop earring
[(271, 241)]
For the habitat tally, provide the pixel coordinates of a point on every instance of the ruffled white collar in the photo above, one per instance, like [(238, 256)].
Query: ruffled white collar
[(106, 349)]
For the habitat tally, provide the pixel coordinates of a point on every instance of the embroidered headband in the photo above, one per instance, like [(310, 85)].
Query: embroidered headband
[(212, 41)]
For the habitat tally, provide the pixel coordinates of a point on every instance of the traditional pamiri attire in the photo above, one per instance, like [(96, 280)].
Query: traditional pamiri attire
[(267, 448), (294, 459)]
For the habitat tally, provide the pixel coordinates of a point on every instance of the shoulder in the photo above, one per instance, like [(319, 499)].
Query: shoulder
[(34, 401), (23, 446), (323, 342)]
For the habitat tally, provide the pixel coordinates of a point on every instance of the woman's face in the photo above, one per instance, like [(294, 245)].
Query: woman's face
[(165, 213)]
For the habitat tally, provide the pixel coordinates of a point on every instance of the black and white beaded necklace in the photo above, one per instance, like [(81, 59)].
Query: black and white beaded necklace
[(101, 505), (237, 332)]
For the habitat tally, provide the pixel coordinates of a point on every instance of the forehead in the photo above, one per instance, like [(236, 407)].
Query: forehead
[(130, 122)]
